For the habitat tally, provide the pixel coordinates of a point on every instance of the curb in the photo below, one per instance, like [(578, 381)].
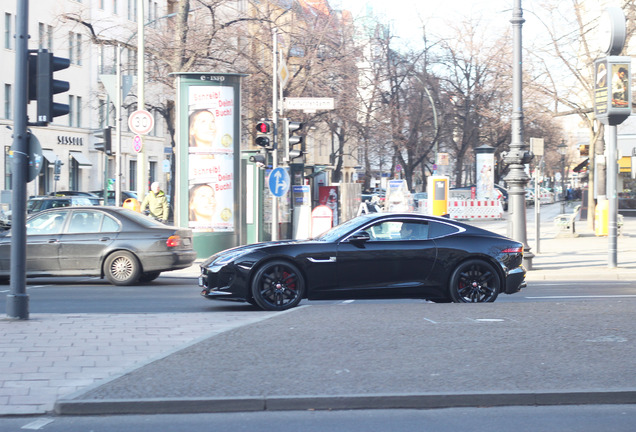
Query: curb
[(344, 402)]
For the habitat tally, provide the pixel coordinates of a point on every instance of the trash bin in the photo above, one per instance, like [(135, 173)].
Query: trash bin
[(601, 218), (132, 204)]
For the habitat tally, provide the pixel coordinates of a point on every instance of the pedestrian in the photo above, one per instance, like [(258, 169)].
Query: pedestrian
[(157, 203)]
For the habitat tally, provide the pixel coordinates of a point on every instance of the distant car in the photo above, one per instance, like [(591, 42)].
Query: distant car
[(95, 200), (121, 245), (39, 203), (110, 197), (373, 256)]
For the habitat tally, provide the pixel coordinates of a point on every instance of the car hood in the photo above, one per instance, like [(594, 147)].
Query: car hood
[(230, 254)]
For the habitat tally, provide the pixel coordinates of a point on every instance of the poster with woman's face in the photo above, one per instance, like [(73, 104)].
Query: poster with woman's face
[(211, 158)]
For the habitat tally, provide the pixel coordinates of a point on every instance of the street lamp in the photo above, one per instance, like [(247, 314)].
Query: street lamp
[(562, 149)]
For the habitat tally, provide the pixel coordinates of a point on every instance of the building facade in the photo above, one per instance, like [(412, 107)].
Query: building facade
[(86, 32)]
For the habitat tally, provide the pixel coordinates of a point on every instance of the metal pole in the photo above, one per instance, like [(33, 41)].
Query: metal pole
[(563, 196), (142, 172), (516, 157), (18, 299), (118, 103), (612, 179), (274, 124), (537, 207)]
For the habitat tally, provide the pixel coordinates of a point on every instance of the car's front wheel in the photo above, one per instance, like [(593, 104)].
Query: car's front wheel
[(122, 268), (474, 281), (277, 286)]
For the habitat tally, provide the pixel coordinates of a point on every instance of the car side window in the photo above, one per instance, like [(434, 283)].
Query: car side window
[(398, 230), (46, 224), (85, 222), (437, 229), (414, 231), (109, 224)]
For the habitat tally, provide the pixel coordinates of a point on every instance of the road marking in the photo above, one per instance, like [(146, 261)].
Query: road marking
[(347, 301), (38, 424), (583, 296), (430, 320)]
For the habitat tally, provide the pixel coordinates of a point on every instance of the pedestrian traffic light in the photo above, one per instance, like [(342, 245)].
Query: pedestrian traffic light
[(265, 135), (57, 170), (105, 144), (46, 87), (294, 140)]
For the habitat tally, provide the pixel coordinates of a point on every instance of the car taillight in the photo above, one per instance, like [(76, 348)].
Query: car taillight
[(173, 241), (513, 250)]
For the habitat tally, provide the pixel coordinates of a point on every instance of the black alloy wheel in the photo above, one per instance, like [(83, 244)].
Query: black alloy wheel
[(277, 286), (474, 281)]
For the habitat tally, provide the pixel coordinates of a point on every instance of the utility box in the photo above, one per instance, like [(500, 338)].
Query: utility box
[(601, 218), (437, 189)]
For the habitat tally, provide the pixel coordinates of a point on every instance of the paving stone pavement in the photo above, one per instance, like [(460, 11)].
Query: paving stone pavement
[(51, 356)]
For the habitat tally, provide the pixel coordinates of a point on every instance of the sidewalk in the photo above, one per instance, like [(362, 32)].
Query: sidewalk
[(197, 362)]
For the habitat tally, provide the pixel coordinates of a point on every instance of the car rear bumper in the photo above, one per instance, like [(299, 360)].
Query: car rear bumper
[(174, 260), (515, 280)]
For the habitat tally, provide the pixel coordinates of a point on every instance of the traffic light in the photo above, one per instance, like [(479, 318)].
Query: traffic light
[(106, 144), (57, 170), (46, 87), (259, 159), (265, 135), (294, 140)]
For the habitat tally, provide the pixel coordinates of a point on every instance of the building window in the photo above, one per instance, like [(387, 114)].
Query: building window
[(7, 101), (8, 33), (41, 35), (71, 110), (115, 7), (78, 111), (152, 172), (132, 175), (79, 49), (103, 113), (101, 4), (71, 47)]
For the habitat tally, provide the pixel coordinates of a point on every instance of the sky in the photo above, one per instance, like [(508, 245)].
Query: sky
[(407, 15)]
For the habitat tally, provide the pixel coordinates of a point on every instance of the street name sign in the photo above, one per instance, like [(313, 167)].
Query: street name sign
[(309, 104)]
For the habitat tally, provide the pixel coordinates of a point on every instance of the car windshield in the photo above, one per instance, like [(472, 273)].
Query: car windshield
[(338, 231)]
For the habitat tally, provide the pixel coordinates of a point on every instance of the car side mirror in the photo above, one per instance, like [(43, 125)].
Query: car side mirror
[(360, 237)]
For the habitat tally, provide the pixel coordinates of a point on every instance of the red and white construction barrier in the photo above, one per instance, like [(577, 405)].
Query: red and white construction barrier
[(470, 209)]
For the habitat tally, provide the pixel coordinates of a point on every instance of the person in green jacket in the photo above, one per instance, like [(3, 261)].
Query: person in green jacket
[(156, 202)]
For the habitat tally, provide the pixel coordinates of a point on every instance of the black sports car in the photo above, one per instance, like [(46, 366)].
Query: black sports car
[(121, 245), (373, 256)]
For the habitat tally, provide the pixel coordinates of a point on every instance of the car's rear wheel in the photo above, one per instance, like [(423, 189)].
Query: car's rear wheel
[(149, 276), (277, 286), (122, 268), (474, 281)]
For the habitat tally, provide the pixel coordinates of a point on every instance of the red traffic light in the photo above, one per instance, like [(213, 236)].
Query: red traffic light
[(263, 127)]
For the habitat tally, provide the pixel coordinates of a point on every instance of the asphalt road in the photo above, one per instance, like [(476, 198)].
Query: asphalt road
[(615, 418), (172, 295)]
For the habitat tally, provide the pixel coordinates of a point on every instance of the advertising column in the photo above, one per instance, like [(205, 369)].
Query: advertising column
[(208, 157)]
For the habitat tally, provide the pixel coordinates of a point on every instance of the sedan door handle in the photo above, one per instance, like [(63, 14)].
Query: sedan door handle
[(103, 239), (53, 240)]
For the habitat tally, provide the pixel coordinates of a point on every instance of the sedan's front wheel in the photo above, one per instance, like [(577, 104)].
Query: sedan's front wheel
[(277, 286), (474, 281), (122, 268)]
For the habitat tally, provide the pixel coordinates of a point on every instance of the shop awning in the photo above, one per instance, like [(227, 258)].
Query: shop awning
[(49, 155), (582, 166), (82, 160)]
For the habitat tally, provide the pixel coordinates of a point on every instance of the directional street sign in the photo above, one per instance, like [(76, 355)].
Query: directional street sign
[(279, 182), (309, 104)]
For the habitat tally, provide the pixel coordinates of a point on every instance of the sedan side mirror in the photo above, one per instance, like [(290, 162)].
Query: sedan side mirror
[(360, 237)]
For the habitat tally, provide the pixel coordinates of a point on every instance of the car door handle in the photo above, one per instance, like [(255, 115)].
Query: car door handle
[(53, 240), (317, 260), (103, 239)]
